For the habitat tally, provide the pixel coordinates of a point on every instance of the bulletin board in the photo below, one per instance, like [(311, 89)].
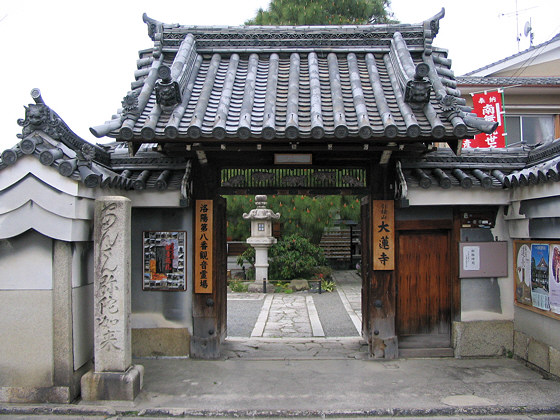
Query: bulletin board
[(536, 267), (164, 261), (483, 259)]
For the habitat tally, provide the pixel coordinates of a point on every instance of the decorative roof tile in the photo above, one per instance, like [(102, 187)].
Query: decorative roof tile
[(46, 137), (373, 82)]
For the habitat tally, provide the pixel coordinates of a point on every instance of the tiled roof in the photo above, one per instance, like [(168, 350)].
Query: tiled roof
[(375, 82), (473, 168), (528, 50), (543, 165), (46, 137), (486, 168), (508, 81)]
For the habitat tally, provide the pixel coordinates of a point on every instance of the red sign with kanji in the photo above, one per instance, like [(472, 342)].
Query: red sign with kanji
[(490, 106)]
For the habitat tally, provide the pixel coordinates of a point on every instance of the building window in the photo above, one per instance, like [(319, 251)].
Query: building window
[(529, 129), (261, 227)]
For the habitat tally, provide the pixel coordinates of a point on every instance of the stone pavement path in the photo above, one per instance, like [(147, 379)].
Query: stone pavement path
[(289, 326)]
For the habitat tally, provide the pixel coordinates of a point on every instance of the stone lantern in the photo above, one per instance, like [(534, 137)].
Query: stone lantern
[(261, 235)]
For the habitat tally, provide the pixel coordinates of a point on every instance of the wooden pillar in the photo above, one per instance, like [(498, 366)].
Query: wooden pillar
[(209, 305), (381, 294)]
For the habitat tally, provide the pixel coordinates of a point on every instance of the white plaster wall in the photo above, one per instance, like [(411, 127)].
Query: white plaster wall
[(82, 324), (501, 232), (82, 264), (505, 284), (26, 347), (82, 302), (26, 262), (435, 196)]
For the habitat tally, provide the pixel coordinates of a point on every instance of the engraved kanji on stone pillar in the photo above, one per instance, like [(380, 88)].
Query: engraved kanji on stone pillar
[(113, 376), (112, 285)]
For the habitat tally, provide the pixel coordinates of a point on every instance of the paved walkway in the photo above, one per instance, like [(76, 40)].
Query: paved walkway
[(293, 327), (413, 388)]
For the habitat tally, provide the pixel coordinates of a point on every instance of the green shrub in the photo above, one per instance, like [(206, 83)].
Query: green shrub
[(238, 286), (294, 257), (282, 287), (248, 256), (328, 285)]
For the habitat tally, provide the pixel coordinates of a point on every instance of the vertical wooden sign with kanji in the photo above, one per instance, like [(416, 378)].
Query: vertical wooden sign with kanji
[(383, 235), (203, 280)]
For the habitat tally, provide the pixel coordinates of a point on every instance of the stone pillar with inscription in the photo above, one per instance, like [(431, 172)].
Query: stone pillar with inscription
[(113, 377)]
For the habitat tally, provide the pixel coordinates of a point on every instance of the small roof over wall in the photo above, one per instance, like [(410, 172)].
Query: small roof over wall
[(52, 157), (374, 83)]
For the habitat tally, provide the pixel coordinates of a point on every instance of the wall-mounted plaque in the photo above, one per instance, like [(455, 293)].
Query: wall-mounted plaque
[(483, 259), (165, 261), (204, 246), (383, 235)]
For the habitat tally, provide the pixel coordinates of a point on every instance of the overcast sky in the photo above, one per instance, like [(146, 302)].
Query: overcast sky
[(82, 55)]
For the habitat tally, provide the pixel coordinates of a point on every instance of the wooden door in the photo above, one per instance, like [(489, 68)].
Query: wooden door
[(423, 318)]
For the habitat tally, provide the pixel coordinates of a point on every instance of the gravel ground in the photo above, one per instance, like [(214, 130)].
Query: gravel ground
[(333, 316), (242, 312)]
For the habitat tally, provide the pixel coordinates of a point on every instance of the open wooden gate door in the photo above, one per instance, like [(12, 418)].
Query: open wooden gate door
[(424, 292), (210, 309)]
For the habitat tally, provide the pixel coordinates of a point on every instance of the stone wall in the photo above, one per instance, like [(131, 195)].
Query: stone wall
[(482, 338), (537, 340)]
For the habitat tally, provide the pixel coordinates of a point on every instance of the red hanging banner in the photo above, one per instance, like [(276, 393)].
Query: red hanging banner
[(490, 106)]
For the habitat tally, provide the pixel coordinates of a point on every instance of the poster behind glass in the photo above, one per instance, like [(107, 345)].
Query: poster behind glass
[(164, 261), (537, 275)]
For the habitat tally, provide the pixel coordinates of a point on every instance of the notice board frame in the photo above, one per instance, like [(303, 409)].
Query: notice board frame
[(522, 299), (483, 259), (174, 277)]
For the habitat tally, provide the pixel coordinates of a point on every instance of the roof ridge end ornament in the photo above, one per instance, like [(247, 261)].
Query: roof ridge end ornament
[(431, 29), (154, 26), (40, 117)]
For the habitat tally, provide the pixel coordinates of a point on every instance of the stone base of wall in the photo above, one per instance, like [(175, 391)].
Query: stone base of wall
[(482, 338), (154, 342), (59, 394), (537, 353)]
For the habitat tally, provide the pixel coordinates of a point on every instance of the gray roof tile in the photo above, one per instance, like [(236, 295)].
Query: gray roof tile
[(286, 83)]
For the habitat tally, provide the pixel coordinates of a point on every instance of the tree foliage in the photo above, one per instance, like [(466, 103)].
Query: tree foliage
[(323, 12), (299, 214), (293, 257)]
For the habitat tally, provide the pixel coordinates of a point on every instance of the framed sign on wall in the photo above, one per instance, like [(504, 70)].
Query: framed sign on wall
[(537, 276), (164, 260)]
